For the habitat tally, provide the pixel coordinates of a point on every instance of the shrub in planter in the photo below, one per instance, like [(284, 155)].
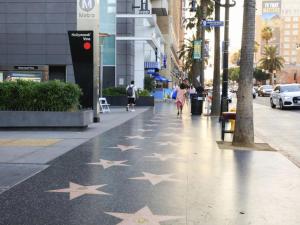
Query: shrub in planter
[(143, 93), (44, 96), (114, 91)]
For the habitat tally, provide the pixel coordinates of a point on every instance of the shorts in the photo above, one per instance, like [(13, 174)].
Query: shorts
[(131, 101)]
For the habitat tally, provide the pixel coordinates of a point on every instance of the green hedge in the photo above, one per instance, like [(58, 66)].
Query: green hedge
[(34, 96), (121, 91), (114, 91)]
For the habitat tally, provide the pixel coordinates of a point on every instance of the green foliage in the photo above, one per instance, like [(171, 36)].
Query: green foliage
[(143, 93), (270, 60), (234, 73), (149, 83), (114, 91), (259, 75), (34, 96)]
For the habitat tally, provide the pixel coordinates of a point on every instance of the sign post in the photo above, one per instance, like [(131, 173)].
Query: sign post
[(197, 49), (212, 23), (88, 20)]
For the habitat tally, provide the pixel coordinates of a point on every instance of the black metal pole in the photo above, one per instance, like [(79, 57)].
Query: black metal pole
[(224, 99), (202, 28)]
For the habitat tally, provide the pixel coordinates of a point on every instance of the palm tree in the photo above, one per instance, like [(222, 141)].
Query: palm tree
[(203, 11), (244, 128), (186, 55), (216, 99), (270, 60), (267, 34)]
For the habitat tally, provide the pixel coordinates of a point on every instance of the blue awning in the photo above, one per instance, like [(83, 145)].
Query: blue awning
[(160, 78)]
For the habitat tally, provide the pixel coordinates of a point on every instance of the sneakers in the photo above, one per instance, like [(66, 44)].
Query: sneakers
[(133, 110), (127, 108)]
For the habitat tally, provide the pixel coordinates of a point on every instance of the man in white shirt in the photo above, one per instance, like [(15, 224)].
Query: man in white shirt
[(131, 95)]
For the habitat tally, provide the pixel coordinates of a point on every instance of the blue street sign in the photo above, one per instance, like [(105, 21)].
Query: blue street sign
[(212, 23)]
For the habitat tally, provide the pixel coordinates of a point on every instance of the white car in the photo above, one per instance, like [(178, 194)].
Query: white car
[(285, 96)]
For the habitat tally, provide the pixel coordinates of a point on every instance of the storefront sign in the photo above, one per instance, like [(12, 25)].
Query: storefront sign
[(151, 71), (197, 49), (81, 45), (86, 9), (26, 67)]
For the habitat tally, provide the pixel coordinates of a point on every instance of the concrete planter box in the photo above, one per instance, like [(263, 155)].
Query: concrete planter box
[(122, 100), (40, 119)]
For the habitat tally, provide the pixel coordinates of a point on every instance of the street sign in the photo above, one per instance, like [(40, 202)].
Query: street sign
[(197, 49), (212, 23)]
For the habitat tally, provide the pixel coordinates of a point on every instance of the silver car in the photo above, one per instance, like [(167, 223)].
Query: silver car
[(285, 96)]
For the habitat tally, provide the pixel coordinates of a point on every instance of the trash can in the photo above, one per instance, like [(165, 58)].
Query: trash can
[(196, 104)]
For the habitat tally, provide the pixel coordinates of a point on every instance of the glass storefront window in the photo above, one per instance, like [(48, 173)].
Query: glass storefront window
[(109, 49), (108, 16)]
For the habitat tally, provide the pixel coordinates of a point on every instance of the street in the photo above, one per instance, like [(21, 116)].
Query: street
[(279, 128)]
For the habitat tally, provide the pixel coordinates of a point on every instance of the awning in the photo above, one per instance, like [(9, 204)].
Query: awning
[(160, 78)]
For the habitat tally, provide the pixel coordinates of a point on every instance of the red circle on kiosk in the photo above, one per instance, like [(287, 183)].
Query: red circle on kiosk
[(87, 45)]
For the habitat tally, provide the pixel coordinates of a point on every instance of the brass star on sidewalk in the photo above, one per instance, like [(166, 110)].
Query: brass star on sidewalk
[(106, 163), (144, 130), (169, 134), (136, 137), (162, 157), (124, 148), (77, 190), (151, 125), (173, 128), (166, 143), (143, 216), (155, 179)]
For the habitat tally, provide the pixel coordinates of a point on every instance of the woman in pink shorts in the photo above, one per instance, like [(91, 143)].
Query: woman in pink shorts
[(180, 98)]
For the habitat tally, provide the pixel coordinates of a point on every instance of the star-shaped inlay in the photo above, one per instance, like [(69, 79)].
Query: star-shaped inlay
[(144, 130), (166, 143), (106, 163), (169, 134), (164, 157), (143, 216), (155, 179), (124, 148), (155, 121), (172, 128), (174, 123), (77, 190), (151, 125), (136, 137)]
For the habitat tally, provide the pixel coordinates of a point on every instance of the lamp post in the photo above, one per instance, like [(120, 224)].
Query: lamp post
[(224, 99), (101, 37), (274, 77)]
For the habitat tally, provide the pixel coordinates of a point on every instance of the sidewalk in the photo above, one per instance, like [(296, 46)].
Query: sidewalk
[(24, 153), (158, 169)]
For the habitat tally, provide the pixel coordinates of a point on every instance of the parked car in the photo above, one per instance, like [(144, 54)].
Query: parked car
[(285, 96), (265, 90), (229, 94), (253, 93)]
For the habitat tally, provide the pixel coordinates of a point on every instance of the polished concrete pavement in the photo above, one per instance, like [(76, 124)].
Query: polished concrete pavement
[(158, 169)]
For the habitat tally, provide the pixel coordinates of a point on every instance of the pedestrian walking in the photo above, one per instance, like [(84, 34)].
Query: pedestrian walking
[(131, 96), (180, 98)]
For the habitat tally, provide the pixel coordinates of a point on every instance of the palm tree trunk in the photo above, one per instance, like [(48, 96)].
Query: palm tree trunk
[(216, 101), (244, 128)]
